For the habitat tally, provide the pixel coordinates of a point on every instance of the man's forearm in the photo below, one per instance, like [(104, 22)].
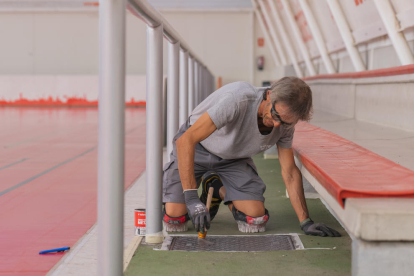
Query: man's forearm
[(185, 158), (294, 187)]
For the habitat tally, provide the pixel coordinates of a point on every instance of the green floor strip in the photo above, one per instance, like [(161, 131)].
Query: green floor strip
[(336, 261)]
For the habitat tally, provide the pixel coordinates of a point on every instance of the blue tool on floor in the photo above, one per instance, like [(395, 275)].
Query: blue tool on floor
[(55, 250)]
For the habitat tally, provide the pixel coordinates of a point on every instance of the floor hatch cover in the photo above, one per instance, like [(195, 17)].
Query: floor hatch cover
[(222, 243)]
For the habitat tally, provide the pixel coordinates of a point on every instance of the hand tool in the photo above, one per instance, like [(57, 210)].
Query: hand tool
[(202, 235)]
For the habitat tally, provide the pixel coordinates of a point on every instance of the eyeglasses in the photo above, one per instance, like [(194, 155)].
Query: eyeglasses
[(276, 116)]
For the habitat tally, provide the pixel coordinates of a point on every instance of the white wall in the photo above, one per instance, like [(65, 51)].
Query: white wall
[(221, 39), (49, 43), (67, 42), (57, 45), (384, 101)]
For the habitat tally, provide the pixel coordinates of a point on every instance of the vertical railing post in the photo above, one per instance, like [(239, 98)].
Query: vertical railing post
[(208, 81), (200, 80), (200, 83), (203, 83), (346, 34), (200, 86), (154, 134), (285, 38), (397, 38), (266, 35), (205, 80), (196, 82), (317, 36), (191, 85), (111, 137), (213, 84), (184, 60), (273, 33), (298, 36), (173, 93)]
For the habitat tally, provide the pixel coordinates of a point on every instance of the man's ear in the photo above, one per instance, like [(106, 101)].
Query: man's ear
[(267, 95)]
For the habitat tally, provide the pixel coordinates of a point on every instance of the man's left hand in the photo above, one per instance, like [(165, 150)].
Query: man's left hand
[(318, 229)]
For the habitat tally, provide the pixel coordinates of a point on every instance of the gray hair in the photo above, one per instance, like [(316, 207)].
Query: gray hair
[(294, 93)]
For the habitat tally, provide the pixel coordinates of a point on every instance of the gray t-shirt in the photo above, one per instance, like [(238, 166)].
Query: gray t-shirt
[(233, 109)]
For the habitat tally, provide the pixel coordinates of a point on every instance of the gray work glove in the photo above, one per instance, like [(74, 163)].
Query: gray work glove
[(197, 211), (318, 229)]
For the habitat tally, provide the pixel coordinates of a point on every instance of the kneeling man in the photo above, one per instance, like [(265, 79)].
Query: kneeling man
[(214, 149)]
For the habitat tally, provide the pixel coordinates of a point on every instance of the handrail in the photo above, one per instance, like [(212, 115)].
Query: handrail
[(145, 11), (187, 76), (383, 72)]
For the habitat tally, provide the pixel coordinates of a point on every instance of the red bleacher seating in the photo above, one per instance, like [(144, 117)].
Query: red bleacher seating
[(346, 169)]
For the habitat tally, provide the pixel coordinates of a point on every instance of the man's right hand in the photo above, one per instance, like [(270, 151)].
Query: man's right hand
[(197, 211), (318, 229)]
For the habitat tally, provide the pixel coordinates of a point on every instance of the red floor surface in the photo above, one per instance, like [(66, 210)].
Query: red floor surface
[(346, 169), (48, 180)]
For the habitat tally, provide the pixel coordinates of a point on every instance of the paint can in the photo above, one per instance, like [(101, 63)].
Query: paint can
[(140, 222)]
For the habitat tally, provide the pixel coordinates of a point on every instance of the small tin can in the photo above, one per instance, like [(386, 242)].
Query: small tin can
[(140, 222)]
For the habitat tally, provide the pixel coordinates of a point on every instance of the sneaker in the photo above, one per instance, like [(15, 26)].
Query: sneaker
[(211, 179)]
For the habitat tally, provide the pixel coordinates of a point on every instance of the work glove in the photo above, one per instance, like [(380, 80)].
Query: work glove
[(197, 211), (318, 229)]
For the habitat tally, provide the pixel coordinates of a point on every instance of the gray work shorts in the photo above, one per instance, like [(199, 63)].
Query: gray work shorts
[(239, 176)]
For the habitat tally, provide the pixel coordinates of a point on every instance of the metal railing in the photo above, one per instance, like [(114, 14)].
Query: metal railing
[(189, 82)]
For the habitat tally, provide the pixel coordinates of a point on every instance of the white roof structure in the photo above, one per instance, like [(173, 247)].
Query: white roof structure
[(159, 4)]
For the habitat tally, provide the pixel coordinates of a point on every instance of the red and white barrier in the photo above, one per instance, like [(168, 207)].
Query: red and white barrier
[(64, 90)]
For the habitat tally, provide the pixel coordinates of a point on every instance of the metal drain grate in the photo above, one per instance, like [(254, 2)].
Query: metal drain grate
[(233, 243)]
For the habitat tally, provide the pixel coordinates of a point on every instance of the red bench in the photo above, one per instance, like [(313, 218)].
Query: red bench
[(370, 195), (347, 170)]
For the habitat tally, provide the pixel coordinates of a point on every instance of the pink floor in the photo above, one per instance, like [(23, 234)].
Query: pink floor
[(48, 180)]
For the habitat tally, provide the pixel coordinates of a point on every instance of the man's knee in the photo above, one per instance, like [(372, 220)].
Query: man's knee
[(175, 217), (252, 208), (175, 209), (254, 221)]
